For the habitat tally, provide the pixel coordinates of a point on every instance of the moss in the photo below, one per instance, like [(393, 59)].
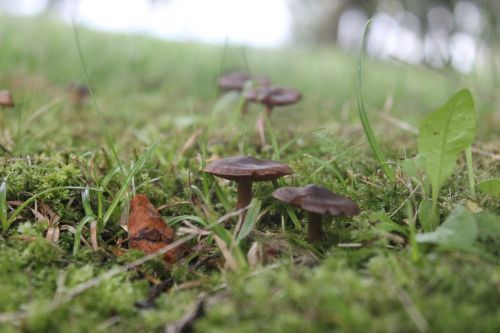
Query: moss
[(335, 297)]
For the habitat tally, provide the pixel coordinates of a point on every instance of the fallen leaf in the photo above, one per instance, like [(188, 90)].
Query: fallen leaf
[(147, 230)]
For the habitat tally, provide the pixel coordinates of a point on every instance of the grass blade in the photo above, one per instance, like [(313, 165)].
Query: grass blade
[(109, 139), (174, 220), (25, 204), (251, 219), (3, 206), (374, 145), (86, 202), (138, 165), (78, 233), (470, 172)]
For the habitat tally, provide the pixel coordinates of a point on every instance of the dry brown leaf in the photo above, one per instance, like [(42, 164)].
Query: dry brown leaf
[(147, 230)]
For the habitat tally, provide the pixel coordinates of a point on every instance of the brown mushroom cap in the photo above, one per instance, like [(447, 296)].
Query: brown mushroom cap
[(233, 81), (80, 89), (248, 168), (6, 99), (317, 199), (237, 80), (273, 96)]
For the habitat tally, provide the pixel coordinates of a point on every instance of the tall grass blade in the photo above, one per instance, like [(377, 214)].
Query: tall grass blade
[(25, 204), (86, 203), (109, 139), (78, 233), (138, 165), (3, 206), (470, 172), (374, 145), (251, 219)]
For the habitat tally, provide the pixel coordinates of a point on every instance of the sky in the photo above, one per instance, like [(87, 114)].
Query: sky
[(262, 23), (267, 23)]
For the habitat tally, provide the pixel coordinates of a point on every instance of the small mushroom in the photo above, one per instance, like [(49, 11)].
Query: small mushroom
[(316, 201), (237, 80), (79, 93), (244, 170), (6, 100), (270, 97)]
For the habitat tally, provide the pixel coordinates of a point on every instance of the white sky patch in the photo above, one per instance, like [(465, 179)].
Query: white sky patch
[(24, 7), (267, 23), (257, 22)]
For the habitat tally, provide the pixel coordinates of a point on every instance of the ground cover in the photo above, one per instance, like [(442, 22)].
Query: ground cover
[(160, 118)]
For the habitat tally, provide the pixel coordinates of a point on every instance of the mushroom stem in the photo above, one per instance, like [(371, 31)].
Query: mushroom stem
[(314, 227), (244, 194)]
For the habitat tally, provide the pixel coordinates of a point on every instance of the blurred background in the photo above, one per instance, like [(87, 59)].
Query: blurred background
[(460, 35)]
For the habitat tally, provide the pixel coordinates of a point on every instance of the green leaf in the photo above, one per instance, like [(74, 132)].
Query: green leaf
[(490, 186), (425, 214), (251, 219), (86, 203), (78, 233), (489, 226), (137, 166), (443, 135), (459, 231), (374, 145)]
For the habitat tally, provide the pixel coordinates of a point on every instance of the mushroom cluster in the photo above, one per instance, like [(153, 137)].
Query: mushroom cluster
[(313, 199), (244, 170), (260, 91)]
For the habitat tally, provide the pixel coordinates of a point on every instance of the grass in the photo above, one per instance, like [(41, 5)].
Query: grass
[(369, 273)]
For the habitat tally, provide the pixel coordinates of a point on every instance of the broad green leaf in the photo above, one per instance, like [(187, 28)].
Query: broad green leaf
[(425, 214), (490, 186), (444, 134), (488, 225), (458, 231)]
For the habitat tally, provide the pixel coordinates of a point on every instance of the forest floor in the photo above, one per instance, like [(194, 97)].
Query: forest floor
[(157, 117)]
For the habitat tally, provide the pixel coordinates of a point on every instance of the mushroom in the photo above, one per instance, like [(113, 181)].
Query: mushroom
[(270, 97), (79, 93), (316, 201), (237, 81), (245, 170), (6, 100)]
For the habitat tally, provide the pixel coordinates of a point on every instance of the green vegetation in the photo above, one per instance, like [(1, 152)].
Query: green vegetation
[(159, 107)]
